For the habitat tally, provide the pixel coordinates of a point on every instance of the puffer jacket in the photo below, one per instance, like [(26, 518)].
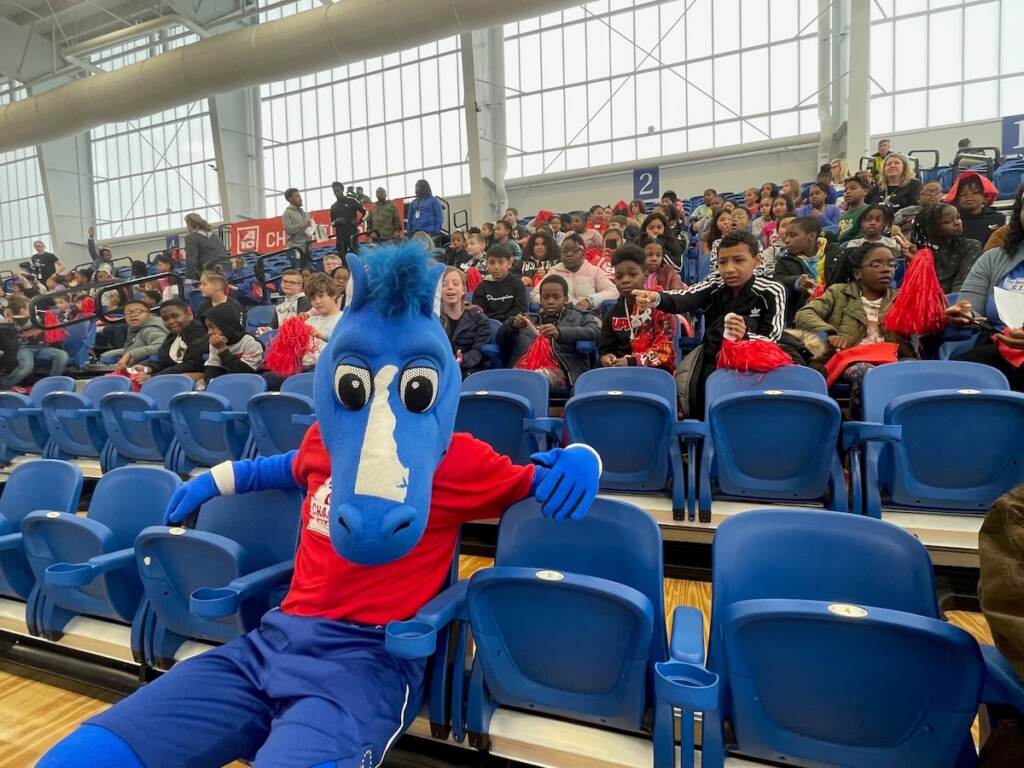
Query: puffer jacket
[(573, 326), (839, 312), (144, 340)]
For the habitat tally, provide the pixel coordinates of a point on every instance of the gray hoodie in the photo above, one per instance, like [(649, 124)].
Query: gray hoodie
[(143, 340)]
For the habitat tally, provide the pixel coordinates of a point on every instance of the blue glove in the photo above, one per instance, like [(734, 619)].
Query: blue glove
[(566, 481), (190, 497)]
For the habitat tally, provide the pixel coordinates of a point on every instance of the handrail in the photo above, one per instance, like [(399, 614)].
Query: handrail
[(294, 256), (39, 305)]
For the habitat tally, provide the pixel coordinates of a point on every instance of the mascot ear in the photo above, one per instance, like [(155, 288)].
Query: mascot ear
[(356, 287), (436, 273)]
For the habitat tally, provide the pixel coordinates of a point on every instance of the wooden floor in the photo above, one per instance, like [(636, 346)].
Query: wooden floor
[(36, 710)]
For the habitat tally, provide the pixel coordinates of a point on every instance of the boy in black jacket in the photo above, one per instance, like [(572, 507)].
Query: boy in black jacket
[(739, 288), (186, 342), (501, 295)]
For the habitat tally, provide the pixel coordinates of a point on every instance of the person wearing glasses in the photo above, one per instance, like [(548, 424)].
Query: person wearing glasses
[(294, 301), (146, 333)]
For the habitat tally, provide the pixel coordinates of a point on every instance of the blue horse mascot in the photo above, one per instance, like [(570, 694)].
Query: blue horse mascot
[(387, 485)]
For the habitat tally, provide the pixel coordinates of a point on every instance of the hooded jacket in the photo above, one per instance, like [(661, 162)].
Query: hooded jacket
[(144, 340), (839, 312), (243, 354), (573, 326), (978, 226), (468, 335), (196, 345)]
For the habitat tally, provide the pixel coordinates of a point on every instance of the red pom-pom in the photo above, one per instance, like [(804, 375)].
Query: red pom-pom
[(752, 356), (920, 306), (473, 279), (539, 357), (294, 340)]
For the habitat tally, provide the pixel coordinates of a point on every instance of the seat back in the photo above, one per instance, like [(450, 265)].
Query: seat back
[(80, 436), (961, 448), (644, 398), (299, 384), (22, 432), (798, 427), (885, 383), (79, 340), (488, 413), (125, 501), (238, 388), (44, 484), (834, 684), (595, 666), (43, 387), (142, 440), (270, 420), (257, 317), (234, 536)]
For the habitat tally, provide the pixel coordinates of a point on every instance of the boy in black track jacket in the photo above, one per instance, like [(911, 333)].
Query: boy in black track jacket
[(738, 287), (501, 295)]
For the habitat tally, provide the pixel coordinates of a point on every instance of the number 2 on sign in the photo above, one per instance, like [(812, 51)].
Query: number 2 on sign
[(646, 184)]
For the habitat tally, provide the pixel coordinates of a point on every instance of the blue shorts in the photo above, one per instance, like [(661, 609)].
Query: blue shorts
[(297, 692)]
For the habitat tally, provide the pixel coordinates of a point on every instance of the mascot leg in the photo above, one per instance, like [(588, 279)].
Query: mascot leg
[(206, 711), (90, 746)]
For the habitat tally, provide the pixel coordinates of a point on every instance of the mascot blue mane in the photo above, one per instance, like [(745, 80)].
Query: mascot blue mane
[(385, 393)]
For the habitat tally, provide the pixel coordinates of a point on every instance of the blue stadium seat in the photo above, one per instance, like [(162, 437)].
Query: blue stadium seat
[(78, 343), (1008, 178), (215, 582), (570, 622), (73, 418), (608, 401), (279, 420), (86, 565), (22, 427), (508, 410), (138, 424), (213, 426), (830, 651), (770, 436), (490, 349), (43, 484), (258, 316), (940, 435)]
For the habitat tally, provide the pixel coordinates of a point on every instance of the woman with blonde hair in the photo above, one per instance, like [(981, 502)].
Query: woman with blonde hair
[(840, 170), (791, 189), (203, 249), (896, 184)]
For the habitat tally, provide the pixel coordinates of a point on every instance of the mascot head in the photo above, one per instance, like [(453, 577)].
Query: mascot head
[(386, 391)]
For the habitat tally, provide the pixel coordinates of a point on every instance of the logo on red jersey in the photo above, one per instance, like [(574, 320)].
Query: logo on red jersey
[(320, 509)]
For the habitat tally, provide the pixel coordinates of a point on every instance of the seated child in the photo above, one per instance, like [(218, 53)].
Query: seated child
[(232, 350), (852, 313), (184, 346), (455, 255), (501, 295), (559, 321), (324, 314), (734, 289), (874, 223), (467, 326), (660, 274), (629, 335)]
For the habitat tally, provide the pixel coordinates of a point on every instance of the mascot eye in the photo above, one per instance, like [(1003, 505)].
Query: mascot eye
[(353, 385), (418, 388)]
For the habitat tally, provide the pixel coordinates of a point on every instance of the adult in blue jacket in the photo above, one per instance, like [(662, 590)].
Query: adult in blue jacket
[(424, 212)]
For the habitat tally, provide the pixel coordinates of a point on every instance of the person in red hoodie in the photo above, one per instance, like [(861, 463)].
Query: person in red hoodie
[(973, 195)]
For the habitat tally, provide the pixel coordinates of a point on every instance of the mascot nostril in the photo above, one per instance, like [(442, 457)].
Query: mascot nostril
[(387, 485)]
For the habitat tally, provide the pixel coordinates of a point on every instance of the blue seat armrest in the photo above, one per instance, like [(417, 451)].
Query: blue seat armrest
[(81, 413), (303, 419), (417, 637), (687, 643), (223, 417), (546, 425), (10, 541), (81, 574), (8, 413), (218, 602), (691, 429), (27, 411), (1002, 685), (146, 415), (690, 687), (857, 433)]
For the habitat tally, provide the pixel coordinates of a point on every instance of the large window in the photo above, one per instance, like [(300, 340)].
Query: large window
[(942, 62), (150, 172), (619, 81), (386, 121), (23, 216)]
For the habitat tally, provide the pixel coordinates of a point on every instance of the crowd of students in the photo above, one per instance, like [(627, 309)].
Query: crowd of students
[(814, 268)]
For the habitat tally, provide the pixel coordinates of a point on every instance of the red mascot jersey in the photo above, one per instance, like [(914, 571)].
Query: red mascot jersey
[(471, 483)]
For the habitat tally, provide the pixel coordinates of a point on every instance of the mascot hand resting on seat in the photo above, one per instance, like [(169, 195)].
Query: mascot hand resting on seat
[(387, 486)]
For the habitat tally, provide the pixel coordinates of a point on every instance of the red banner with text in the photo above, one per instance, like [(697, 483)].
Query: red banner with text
[(267, 235)]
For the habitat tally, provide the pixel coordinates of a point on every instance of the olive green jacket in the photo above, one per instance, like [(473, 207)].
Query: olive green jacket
[(839, 312)]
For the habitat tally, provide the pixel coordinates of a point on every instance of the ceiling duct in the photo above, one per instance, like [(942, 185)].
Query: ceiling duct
[(301, 44)]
